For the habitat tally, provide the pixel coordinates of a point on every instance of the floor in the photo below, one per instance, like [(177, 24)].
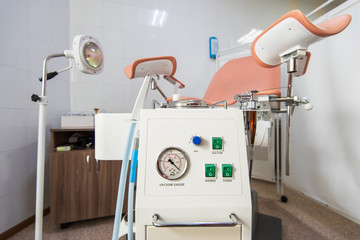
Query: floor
[(301, 218)]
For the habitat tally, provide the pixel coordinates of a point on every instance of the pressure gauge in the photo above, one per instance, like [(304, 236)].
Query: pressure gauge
[(172, 163)]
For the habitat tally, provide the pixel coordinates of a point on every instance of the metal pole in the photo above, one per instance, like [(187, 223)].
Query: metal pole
[(40, 170), (250, 122), (276, 154), (280, 159), (288, 125)]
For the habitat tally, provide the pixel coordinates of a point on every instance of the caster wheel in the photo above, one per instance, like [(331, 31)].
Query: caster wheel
[(284, 199), (64, 225)]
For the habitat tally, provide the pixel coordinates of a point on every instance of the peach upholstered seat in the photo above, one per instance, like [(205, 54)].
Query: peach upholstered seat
[(238, 76)]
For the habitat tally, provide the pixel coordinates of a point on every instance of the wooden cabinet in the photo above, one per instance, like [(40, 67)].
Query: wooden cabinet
[(80, 186)]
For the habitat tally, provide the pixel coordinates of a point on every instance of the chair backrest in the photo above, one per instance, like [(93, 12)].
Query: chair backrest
[(241, 75)]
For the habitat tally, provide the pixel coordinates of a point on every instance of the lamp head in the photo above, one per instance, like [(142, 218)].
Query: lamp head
[(87, 53)]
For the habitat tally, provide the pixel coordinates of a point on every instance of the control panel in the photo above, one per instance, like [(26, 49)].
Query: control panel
[(193, 156)]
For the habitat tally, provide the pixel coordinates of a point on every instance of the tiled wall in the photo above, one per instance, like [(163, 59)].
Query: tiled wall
[(30, 31)]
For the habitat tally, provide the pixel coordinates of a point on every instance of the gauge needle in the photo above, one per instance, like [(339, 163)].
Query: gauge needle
[(172, 163)]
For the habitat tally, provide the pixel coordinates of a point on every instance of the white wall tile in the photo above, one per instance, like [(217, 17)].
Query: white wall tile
[(97, 32), (94, 98), (13, 126), (94, 78), (75, 16), (40, 19), (32, 162), (130, 97), (14, 87), (168, 44), (132, 18), (58, 92), (74, 29), (151, 4), (94, 14), (32, 128), (13, 163), (150, 43), (53, 121), (14, 208), (38, 50), (46, 3), (114, 71), (13, 46), (131, 2), (132, 45), (113, 15), (60, 34), (115, 100), (7, 10), (113, 44), (168, 5), (76, 76), (77, 97), (61, 9)]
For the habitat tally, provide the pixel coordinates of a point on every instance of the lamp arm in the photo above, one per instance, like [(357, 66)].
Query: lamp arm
[(44, 75), (51, 75), (67, 68)]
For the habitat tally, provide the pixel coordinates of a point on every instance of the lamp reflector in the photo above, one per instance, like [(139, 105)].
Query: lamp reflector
[(88, 54), (93, 55)]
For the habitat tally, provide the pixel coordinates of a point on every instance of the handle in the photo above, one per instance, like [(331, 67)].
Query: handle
[(87, 163), (218, 103), (308, 106), (97, 165), (232, 216)]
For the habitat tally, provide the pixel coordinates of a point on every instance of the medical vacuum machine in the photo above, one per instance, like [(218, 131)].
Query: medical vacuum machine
[(193, 175), (192, 180)]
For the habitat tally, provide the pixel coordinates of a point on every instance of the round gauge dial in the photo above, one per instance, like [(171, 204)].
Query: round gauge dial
[(172, 163)]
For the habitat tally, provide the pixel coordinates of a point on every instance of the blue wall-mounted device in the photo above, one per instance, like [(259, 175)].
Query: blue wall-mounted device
[(213, 47)]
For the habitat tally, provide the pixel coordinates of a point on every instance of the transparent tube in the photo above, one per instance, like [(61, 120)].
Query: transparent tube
[(132, 177), (122, 183)]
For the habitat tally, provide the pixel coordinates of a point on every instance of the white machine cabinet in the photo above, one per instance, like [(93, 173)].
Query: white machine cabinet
[(193, 171)]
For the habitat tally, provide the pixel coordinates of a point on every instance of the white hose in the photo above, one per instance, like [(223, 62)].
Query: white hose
[(122, 183)]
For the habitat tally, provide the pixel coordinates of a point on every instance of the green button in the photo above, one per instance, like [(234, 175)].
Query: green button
[(227, 170), (217, 143), (210, 170)]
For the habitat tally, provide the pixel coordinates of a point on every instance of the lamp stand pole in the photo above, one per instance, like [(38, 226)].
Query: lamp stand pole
[(40, 170)]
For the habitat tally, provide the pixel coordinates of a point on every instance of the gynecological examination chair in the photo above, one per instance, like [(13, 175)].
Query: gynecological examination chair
[(175, 201), (253, 83)]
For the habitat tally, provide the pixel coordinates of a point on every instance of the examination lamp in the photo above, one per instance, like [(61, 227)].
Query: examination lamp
[(87, 54), (88, 57)]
